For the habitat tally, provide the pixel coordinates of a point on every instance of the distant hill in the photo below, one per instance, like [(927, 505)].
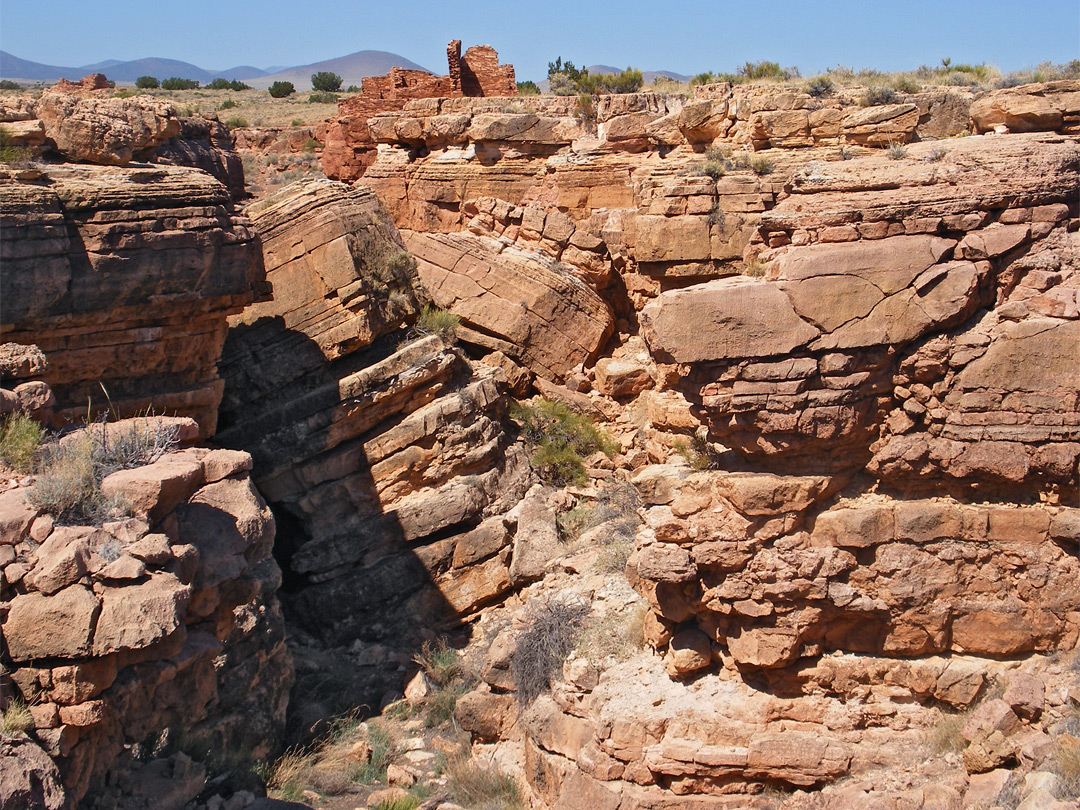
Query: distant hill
[(351, 68)]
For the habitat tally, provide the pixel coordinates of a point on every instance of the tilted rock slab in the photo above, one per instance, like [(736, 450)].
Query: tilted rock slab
[(543, 316)]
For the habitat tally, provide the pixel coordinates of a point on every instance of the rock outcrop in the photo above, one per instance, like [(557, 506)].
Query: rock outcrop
[(385, 455), (167, 620), (124, 278)]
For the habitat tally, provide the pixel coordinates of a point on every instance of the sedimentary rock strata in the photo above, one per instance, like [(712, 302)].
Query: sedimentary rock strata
[(124, 277)]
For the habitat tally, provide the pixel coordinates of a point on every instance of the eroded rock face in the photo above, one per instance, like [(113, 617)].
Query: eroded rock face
[(116, 633), (124, 276), (386, 451)]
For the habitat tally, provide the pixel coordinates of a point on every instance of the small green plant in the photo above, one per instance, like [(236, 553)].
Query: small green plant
[(585, 110), (12, 154), (8, 84), (714, 169), (236, 122), (716, 216), (124, 93), (310, 145), (176, 83), (17, 718), (906, 84), (483, 786), (228, 104), (528, 88), (935, 155), (322, 98), (325, 81), (352, 88), (20, 440), (551, 629), (444, 670), (147, 83), (561, 438), (435, 321), (896, 151), (820, 86), (296, 122), (281, 89), (382, 755), (761, 165)]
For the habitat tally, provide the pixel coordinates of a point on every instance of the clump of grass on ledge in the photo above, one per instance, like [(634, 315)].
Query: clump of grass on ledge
[(20, 440), (17, 718), (435, 321), (897, 151), (561, 438), (69, 484)]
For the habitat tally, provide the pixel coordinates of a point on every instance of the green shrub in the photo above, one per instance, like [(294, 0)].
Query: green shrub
[(383, 751), (310, 145), (176, 83), (761, 165), (17, 718), (281, 89), (551, 628), (352, 88), (228, 104), (906, 84), (326, 81), (10, 153), (934, 155), (763, 70), (225, 84), (528, 88), (443, 668), (703, 78), (8, 84), (296, 122), (147, 83), (819, 86), (322, 98), (627, 81), (567, 72), (561, 439), (585, 110), (896, 151), (20, 440), (435, 321), (715, 169), (236, 122)]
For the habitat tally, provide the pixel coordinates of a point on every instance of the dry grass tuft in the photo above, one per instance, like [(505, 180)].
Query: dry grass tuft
[(17, 718)]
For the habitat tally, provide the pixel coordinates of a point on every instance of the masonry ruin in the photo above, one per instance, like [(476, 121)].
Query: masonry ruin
[(477, 73)]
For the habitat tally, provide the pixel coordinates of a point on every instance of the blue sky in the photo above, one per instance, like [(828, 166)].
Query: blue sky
[(687, 37)]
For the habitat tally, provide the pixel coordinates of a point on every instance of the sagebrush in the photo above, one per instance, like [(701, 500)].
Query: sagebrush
[(561, 440)]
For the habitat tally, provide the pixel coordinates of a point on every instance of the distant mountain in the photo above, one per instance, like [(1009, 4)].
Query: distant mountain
[(352, 69)]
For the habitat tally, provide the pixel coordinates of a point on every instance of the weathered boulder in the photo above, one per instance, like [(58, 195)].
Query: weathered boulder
[(109, 131), (1028, 108)]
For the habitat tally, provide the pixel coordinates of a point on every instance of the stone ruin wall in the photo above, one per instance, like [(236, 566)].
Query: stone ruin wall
[(350, 147)]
